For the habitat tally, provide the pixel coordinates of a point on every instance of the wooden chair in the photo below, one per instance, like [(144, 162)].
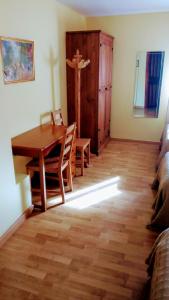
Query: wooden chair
[(57, 165), (56, 117), (82, 151)]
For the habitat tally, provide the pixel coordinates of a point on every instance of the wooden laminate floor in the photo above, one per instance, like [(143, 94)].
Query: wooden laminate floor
[(94, 247)]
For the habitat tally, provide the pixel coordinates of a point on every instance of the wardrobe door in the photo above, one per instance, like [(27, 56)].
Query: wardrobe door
[(89, 90), (87, 42), (109, 62), (107, 112), (105, 87), (101, 119), (102, 96)]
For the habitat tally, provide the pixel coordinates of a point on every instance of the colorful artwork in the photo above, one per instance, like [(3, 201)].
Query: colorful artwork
[(17, 60)]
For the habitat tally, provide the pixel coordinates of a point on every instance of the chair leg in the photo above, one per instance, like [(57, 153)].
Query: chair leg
[(87, 156), (69, 177), (61, 185)]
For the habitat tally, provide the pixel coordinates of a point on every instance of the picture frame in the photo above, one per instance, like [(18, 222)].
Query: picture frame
[(17, 60)]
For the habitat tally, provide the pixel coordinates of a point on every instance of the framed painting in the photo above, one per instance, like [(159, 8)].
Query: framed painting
[(17, 60)]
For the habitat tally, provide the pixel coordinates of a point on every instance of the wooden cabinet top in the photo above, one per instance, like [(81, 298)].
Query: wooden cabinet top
[(88, 32)]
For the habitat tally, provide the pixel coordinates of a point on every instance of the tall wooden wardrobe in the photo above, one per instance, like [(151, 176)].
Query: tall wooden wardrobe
[(96, 84)]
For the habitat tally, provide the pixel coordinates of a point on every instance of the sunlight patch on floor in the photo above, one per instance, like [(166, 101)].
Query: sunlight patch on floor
[(94, 194), (93, 187)]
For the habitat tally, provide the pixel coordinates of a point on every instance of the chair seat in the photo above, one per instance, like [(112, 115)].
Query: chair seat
[(33, 165), (50, 163), (82, 143)]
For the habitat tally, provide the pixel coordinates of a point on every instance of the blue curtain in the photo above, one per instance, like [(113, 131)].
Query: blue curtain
[(154, 70)]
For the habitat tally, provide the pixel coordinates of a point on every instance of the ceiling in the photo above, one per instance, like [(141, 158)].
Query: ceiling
[(116, 7)]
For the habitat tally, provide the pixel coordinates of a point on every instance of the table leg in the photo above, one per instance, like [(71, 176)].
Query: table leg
[(82, 162), (42, 182)]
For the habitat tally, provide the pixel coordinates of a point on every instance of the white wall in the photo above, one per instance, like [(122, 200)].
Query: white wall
[(140, 79), (133, 33), (22, 104)]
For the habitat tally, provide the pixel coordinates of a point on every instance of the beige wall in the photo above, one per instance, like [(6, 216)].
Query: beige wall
[(22, 104), (134, 33)]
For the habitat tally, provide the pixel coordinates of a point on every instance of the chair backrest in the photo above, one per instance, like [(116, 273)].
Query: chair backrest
[(66, 148), (45, 118), (56, 116)]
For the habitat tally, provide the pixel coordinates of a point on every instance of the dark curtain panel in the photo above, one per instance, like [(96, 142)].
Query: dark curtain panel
[(154, 70)]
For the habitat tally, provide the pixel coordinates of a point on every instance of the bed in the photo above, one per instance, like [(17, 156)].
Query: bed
[(160, 217), (158, 268)]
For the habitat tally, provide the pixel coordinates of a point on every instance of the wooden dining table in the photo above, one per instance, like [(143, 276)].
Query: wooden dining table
[(37, 143)]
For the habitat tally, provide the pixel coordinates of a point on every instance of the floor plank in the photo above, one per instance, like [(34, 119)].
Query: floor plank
[(94, 247)]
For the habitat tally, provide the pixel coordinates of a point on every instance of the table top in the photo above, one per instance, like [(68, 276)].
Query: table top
[(37, 139)]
